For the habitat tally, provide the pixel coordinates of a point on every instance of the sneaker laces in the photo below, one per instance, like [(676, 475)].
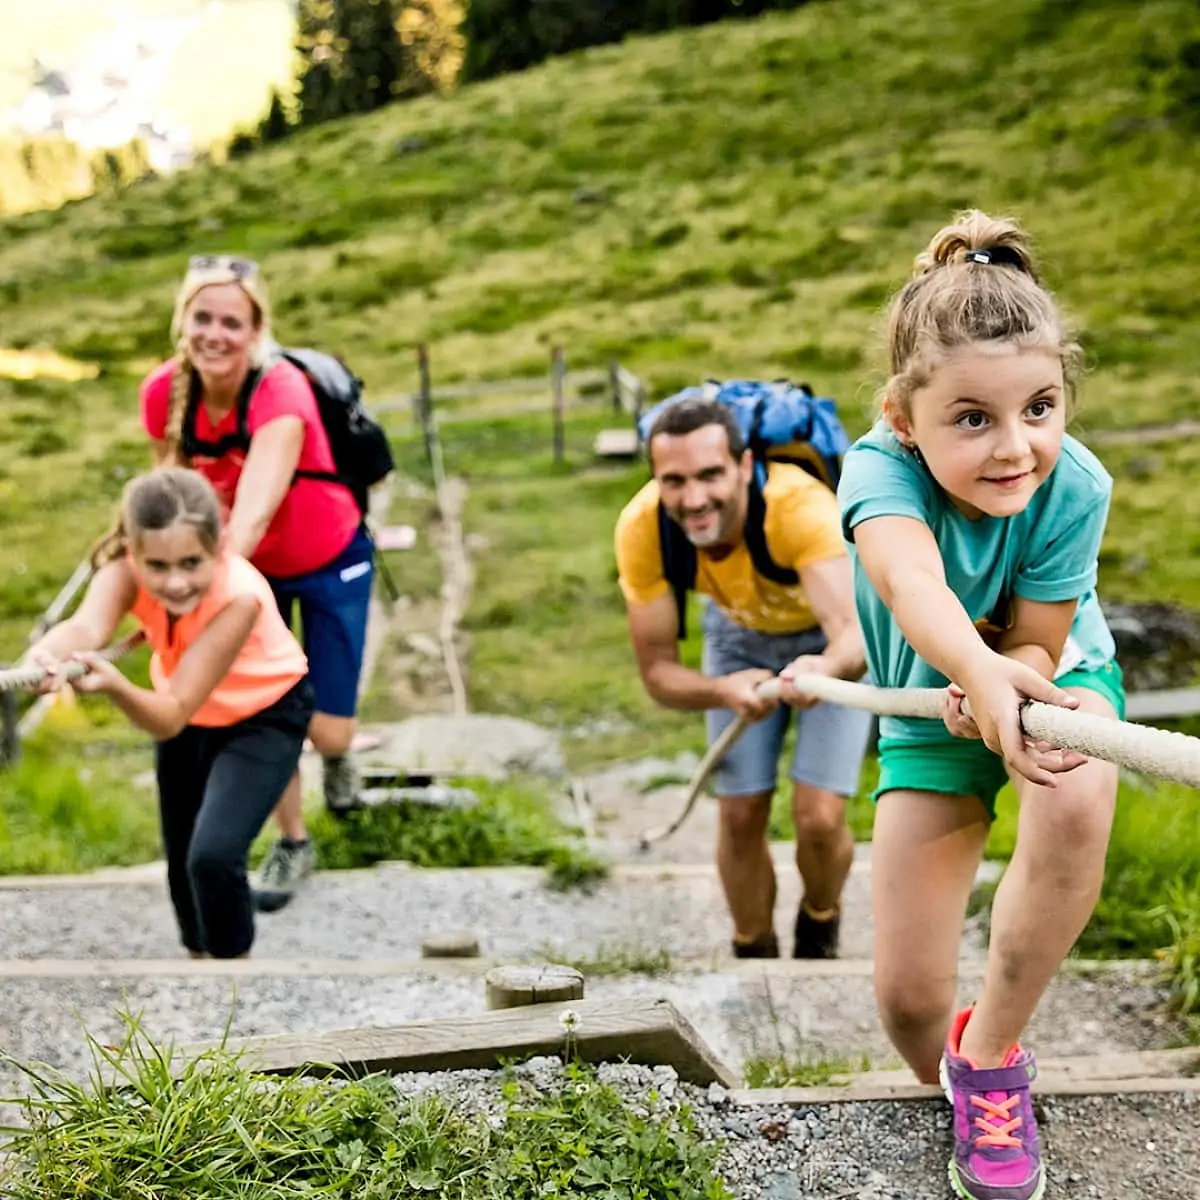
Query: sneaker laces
[(275, 866), (997, 1124)]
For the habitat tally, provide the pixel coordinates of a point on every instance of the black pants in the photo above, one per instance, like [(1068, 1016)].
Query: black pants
[(216, 788)]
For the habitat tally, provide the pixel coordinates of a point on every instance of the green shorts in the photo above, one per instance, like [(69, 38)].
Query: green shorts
[(965, 766)]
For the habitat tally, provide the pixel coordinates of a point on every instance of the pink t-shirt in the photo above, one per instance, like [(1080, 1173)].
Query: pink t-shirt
[(317, 519)]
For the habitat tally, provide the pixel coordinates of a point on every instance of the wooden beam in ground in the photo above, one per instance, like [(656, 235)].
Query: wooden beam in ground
[(646, 1031), (1084, 1075)]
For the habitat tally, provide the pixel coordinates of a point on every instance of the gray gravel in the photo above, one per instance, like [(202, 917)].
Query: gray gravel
[(739, 1016), (384, 913)]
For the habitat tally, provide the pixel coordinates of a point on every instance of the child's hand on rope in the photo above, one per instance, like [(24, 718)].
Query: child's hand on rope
[(995, 698), (101, 675), (44, 661), (955, 720)]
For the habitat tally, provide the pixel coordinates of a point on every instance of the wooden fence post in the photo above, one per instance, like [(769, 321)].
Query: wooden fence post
[(425, 402), (557, 380), (614, 384), (10, 741)]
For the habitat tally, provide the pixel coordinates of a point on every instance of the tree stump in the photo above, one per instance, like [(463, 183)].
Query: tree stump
[(450, 943), (515, 987)]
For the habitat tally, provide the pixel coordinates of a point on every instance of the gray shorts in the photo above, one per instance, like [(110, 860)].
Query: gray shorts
[(830, 740)]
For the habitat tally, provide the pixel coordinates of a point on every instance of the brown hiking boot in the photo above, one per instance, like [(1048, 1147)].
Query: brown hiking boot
[(815, 938), (766, 946)]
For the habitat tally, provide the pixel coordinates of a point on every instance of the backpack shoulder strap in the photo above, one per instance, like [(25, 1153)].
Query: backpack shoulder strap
[(679, 564), (239, 439), (755, 533)]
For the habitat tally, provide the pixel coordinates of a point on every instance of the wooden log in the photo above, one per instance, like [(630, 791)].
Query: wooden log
[(450, 943), (639, 1030), (545, 983)]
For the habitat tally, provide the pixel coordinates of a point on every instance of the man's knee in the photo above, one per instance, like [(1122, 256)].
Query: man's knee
[(744, 819), (819, 815)]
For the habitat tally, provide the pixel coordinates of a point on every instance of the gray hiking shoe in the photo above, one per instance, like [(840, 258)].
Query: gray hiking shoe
[(340, 783), (287, 865)]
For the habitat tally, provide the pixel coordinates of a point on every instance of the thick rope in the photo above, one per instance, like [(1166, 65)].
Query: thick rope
[(17, 678), (1173, 756)]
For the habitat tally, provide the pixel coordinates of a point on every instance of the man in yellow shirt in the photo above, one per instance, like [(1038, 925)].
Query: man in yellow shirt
[(710, 488)]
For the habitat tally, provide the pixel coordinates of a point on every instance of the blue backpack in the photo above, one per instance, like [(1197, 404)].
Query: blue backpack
[(781, 422)]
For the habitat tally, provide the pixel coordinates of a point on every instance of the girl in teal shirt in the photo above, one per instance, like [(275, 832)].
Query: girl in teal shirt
[(975, 522)]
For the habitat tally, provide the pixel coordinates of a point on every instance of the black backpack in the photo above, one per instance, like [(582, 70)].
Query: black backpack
[(679, 555), (361, 453)]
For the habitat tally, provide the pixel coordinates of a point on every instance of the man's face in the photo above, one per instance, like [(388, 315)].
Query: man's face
[(703, 487)]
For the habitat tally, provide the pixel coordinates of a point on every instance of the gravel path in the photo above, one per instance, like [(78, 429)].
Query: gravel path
[(384, 913)]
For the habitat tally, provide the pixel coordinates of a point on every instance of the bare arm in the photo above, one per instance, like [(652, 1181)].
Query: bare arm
[(829, 586), (653, 628), (903, 562), (1038, 633), (265, 479), (204, 664), (109, 596)]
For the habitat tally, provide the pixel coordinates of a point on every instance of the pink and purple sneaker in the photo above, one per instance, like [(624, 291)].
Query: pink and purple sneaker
[(996, 1150)]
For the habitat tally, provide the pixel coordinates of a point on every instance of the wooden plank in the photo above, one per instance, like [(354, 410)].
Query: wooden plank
[(617, 443), (1083, 1075), (646, 1031)]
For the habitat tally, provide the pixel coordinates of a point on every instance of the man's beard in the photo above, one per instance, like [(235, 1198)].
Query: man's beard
[(713, 533)]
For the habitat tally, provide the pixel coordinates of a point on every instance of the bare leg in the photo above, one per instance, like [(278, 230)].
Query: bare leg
[(331, 736), (1045, 898), (744, 864), (925, 853), (824, 845)]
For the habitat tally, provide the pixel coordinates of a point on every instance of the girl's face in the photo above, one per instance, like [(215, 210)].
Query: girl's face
[(989, 425), (220, 329), (174, 567)]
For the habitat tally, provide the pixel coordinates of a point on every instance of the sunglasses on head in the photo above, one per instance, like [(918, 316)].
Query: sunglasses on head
[(239, 268)]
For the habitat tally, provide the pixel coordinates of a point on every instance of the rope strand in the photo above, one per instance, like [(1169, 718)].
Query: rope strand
[(18, 678), (1171, 756)]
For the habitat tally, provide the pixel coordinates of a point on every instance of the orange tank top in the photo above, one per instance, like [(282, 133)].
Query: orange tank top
[(269, 664)]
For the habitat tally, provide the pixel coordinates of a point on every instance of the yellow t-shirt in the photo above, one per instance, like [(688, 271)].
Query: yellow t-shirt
[(802, 527)]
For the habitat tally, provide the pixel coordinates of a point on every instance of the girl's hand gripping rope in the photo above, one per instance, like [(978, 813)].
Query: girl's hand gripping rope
[(993, 702), (101, 675)]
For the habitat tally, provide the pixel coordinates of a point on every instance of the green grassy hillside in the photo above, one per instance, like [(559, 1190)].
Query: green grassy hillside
[(732, 199)]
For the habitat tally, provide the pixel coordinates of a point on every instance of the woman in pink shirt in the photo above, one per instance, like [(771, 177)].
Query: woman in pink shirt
[(230, 703), (303, 532)]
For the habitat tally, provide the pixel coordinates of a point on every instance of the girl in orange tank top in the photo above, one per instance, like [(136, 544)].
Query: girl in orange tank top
[(230, 702)]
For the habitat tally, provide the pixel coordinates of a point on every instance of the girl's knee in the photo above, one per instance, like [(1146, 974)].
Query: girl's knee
[(1075, 819), (912, 1006)]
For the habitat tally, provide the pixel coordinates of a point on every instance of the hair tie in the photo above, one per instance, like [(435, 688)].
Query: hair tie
[(999, 256)]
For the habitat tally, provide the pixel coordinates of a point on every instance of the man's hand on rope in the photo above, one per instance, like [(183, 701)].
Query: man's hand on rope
[(994, 698), (740, 692), (806, 664)]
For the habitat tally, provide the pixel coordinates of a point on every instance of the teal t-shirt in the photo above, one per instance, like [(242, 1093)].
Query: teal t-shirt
[(1047, 553)]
